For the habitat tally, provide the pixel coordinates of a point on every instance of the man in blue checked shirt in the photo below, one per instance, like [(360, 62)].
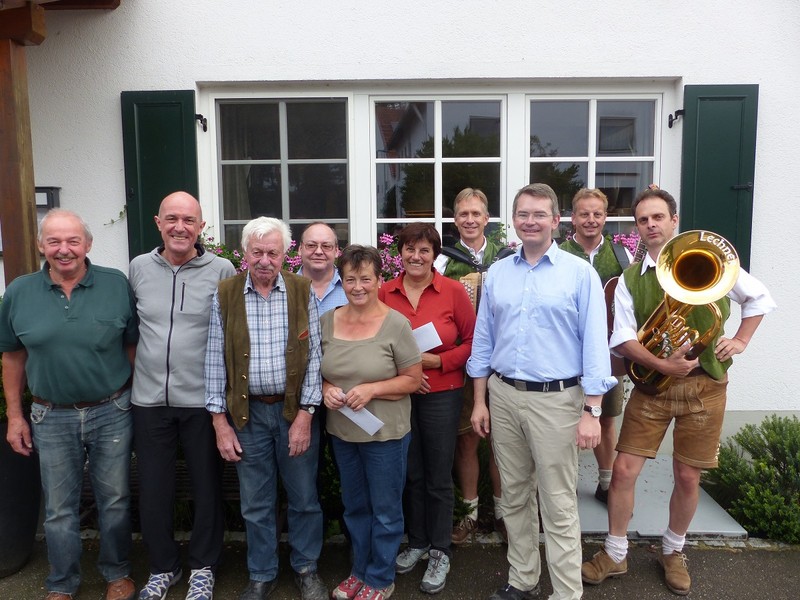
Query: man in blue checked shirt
[(263, 387), (540, 351)]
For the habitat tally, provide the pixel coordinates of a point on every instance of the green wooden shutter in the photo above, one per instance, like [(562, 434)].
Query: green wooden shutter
[(719, 153), (159, 138)]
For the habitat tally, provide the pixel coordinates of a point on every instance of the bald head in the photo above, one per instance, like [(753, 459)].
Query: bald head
[(180, 221)]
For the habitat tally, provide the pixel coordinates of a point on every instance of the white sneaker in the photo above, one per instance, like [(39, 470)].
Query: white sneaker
[(436, 574), (408, 558)]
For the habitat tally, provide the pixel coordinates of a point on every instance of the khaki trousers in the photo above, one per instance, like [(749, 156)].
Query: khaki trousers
[(533, 436)]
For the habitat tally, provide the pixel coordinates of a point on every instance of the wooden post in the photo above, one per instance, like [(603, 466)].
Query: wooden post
[(18, 27)]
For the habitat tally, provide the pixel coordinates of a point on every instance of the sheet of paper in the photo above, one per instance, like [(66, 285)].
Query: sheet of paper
[(363, 418), (426, 337)]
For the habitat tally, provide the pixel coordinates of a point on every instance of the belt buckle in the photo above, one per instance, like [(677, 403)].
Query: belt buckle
[(520, 386)]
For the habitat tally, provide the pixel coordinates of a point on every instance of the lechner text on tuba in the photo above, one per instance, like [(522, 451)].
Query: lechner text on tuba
[(695, 269)]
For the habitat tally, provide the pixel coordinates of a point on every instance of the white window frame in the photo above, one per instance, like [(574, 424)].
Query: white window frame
[(515, 132)]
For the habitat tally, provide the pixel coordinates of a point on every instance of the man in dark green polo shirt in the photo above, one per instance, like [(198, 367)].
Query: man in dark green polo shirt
[(70, 330)]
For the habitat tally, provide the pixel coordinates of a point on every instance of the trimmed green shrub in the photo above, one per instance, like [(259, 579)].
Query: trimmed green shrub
[(758, 479)]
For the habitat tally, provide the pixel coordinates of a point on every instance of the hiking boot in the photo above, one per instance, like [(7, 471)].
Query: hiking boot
[(601, 494), (370, 593), (436, 574), (509, 592), (408, 558), (311, 586), (201, 584), (601, 567), (463, 531), (158, 585), (258, 590), (676, 572), (348, 589)]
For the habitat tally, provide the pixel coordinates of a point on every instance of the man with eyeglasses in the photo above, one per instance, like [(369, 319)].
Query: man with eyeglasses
[(589, 208), (540, 351), (319, 247)]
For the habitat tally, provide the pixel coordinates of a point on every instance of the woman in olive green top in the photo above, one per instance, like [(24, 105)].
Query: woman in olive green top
[(370, 361)]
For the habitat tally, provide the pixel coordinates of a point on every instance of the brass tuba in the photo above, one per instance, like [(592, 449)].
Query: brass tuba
[(695, 269)]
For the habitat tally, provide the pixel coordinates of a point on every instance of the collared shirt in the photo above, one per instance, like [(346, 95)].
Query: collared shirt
[(76, 346), (266, 324), (440, 264), (748, 291), (334, 295), (596, 249), (543, 322)]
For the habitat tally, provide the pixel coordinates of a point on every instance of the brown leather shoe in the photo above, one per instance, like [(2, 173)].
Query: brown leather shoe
[(58, 596), (463, 531), (120, 589), (676, 572), (601, 567)]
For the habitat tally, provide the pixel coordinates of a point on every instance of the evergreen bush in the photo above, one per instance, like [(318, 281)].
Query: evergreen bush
[(758, 479)]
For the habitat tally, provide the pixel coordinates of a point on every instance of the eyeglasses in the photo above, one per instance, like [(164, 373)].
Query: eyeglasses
[(326, 246), (537, 216)]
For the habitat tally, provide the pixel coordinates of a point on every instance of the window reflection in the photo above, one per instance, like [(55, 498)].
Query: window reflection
[(621, 181), (625, 127), (249, 131), (559, 128), (470, 129), (565, 179), (404, 129)]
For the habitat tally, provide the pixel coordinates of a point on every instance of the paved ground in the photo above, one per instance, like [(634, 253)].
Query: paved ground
[(753, 570)]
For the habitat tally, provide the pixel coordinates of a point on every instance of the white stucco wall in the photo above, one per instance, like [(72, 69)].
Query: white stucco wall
[(89, 57)]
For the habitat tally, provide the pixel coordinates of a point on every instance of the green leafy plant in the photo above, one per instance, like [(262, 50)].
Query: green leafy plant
[(758, 479)]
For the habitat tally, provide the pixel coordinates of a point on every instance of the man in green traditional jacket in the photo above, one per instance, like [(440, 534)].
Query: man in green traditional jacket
[(477, 253), (589, 211), (694, 399)]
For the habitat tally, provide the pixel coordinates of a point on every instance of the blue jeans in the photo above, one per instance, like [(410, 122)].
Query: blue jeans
[(265, 454), (65, 438), (372, 475)]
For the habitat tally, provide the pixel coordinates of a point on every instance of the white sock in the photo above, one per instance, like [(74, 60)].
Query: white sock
[(616, 547), (672, 542), (473, 508), (604, 478), (498, 512)]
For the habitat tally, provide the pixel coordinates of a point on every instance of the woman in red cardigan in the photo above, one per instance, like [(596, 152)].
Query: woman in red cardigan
[(425, 297)]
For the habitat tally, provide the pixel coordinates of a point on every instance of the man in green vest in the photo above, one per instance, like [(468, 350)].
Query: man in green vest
[(473, 252), (263, 387), (694, 399), (589, 211)]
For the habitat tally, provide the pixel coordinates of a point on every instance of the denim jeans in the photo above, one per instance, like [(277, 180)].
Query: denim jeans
[(265, 454), (372, 476), (429, 488), (65, 438)]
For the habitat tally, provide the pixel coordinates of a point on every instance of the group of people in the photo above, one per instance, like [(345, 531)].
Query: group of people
[(185, 353)]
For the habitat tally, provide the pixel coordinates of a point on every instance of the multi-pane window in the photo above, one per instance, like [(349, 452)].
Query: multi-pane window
[(597, 143), (428, 151), (283, 158), (410, 155)]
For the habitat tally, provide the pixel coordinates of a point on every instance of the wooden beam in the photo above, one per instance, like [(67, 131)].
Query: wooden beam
[(17, 191), (82, 4), (24, 25)]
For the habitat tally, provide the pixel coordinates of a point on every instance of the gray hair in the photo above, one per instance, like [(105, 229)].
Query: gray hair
[(63, 212), (262, 226), (537, 190)]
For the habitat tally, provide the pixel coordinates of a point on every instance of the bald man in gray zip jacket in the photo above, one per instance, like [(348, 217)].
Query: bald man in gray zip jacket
[(173, 286)]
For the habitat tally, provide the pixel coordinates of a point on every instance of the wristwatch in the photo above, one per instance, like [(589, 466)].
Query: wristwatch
[(595, 411), (309, 408)]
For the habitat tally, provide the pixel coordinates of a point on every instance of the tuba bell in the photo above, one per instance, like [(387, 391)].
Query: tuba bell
[(695, 269)]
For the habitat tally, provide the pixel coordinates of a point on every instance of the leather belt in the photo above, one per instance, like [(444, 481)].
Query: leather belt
[(267, 399), (539, 386), (82, 405)]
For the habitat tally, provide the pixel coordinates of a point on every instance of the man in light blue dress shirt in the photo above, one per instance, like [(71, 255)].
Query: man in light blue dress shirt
[(540, 350)]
